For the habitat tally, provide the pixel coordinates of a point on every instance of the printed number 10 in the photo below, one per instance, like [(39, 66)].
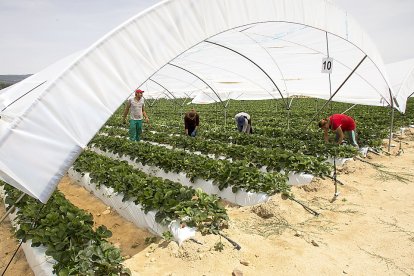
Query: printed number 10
[(327, 65)]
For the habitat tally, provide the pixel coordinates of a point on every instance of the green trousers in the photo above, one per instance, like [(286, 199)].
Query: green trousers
[(135, 130)]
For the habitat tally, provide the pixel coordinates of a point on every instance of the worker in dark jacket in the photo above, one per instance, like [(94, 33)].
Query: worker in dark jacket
[(191, 122)]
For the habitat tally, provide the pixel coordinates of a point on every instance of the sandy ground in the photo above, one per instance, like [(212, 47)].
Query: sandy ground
[(368, 229)]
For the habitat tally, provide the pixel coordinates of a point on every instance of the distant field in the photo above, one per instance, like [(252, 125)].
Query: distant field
[(7, 80), (11, 79)]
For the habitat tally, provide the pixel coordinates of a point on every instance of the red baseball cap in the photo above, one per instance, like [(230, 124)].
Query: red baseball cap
[(139, 91)]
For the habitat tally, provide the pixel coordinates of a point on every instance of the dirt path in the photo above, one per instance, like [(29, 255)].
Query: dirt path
[(8, 245), (125, 235), (367, 230)]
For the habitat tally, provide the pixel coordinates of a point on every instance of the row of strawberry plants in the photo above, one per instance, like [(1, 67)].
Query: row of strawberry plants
[(274, 159), (372, 122), (310, 147), (68, 234), (170, 199), (309, 144), (237, 175)]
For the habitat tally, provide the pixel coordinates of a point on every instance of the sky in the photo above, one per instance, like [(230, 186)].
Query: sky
[(36, 33)]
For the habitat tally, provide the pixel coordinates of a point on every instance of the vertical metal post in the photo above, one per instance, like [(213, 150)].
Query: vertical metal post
[(225, 114), (225, 118), (336, 194), (288, 119), (288, 110), (392, 124), (215, 105)]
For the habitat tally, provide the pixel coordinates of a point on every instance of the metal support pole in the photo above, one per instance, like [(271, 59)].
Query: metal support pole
[(288, 119), (337, 90), (349, 109), (225, 114), (391, 126), (225, 118), (288, 110), (11, 208), (336, 194), (215, 105)]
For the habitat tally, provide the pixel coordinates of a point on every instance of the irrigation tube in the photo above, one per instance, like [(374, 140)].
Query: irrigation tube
[(307, 208), (235, 244)]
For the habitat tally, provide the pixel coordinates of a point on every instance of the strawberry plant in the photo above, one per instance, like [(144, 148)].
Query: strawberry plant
[(67, 233), (169, 199)]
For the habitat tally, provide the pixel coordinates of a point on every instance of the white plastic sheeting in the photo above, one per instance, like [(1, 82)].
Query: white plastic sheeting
[(278, 59), (241, 197), (401, 76), (131, 211), (40, 138)]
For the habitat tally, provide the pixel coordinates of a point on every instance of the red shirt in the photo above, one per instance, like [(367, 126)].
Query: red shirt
[(340, 120)]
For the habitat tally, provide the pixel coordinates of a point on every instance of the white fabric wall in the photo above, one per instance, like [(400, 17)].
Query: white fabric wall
[(42, 140), (401, 76)]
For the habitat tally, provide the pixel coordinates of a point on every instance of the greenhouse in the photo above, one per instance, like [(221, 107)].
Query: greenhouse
[(286, 66)]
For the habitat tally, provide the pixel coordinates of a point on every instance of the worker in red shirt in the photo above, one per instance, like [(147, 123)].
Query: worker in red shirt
[(340, 124)]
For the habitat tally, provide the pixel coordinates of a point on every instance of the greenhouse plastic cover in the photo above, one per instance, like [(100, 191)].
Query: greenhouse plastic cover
[(401, 76), (48, 119)]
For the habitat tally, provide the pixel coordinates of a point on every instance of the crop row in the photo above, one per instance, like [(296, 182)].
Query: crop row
[(68, 234), (171, 200), (224, 174), (274, 159)]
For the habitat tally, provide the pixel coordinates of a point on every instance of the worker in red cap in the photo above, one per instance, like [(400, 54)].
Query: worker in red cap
[(135, 108), (341, 124)]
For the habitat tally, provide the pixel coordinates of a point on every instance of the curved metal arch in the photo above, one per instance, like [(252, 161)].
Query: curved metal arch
[(235, 73), (250, 25), (188, 96), (191, 84), (23, 96), (169, 92), (316, 28), (271, 57), (258, 66), (188, 71), (319, 52)]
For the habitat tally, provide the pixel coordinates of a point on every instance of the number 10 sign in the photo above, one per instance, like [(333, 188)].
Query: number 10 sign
[(327, 64)]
